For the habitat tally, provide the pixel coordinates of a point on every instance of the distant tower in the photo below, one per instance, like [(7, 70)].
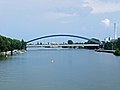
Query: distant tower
[(115, 31)]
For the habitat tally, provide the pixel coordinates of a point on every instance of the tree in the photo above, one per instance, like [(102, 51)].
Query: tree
[(118, 43), (117, 52), (23, 44), (108, 46), (70, 42), (8, 44)]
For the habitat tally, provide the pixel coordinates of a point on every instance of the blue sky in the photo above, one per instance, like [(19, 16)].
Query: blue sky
[(27, 19)]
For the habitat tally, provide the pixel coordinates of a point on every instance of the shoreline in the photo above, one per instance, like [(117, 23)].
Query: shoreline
[(14, 52), (106, 51)]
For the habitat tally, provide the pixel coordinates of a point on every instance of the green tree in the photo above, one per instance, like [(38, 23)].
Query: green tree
[(118, 43), (117, 52), (8, 44), (70, 42), (108, 46), (23, 44)]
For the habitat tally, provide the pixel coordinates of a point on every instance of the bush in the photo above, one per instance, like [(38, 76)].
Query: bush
[(117, 52)]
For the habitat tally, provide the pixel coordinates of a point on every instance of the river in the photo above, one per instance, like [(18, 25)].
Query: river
[(60, 69)]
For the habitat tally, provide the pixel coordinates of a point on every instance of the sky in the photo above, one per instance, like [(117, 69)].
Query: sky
[(27, 19)]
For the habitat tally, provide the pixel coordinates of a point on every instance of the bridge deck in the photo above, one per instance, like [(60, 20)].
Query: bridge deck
[(60, 45)]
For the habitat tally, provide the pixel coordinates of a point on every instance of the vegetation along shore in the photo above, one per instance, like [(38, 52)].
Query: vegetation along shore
[(9, 46), (113, 46)]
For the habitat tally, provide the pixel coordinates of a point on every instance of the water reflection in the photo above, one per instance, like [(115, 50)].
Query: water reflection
[(3, 58)]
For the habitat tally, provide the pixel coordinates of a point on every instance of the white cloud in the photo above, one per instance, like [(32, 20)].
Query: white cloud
[(61, 3), (107, 22), (98, 6), (58, 15)]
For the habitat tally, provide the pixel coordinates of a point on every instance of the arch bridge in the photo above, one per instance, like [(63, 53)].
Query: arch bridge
[(97, 44), (66, 35)]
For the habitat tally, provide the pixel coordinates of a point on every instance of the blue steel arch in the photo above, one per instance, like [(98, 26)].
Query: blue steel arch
[(57, 35)]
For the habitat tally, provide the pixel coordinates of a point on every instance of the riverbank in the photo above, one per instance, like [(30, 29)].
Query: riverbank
[(14, 52), (115, 52), (106, 51)]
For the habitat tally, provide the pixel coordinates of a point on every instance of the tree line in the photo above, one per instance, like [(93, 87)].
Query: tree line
[(113, 45), (8, 44)]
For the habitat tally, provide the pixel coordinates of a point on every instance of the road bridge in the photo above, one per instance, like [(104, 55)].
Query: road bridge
[(65, 45), (95, 42), (66, 35)]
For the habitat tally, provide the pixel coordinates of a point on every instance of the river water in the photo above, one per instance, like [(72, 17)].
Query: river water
[(60, 69)]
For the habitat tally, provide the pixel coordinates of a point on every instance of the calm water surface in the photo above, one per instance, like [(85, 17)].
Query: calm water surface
[(60, 69)]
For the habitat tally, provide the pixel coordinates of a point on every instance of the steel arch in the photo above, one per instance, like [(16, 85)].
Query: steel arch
[(58, 35)]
